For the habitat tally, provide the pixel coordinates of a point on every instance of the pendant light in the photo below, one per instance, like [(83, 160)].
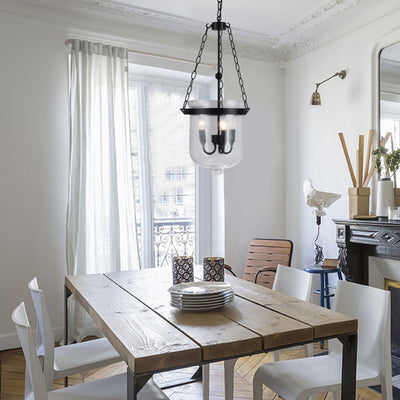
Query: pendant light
[(216, 125)]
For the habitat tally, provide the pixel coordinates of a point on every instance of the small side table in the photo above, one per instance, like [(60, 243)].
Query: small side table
[(323, 291)]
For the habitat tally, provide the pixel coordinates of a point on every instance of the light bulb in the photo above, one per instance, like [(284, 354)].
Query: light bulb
[(222, 125), (202, 123), (210, 133)]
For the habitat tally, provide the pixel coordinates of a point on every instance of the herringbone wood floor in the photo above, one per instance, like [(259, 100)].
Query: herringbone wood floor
[(13, 373)]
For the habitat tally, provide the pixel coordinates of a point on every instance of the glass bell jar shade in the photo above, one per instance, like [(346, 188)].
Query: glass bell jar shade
[(215, 141)]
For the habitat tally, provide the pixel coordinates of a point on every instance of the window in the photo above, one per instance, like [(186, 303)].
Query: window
[(165, 177)]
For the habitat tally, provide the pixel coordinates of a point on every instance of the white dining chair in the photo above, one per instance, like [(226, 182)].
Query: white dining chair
[(302, 378), (63, 361), (112, 388), (296, 283), (293, 282)]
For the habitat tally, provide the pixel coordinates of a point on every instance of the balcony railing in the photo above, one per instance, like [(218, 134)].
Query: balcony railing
[(173, 237)]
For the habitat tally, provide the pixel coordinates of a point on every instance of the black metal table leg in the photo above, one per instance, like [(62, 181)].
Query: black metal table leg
[(349, 366), (67, 293), (197, 376), (135, 383)]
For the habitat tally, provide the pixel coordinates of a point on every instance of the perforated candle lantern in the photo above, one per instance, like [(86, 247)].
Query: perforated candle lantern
[(213, 269), (182, 269)]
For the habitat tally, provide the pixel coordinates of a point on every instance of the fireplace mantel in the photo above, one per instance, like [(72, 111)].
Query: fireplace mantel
[(359, 239)]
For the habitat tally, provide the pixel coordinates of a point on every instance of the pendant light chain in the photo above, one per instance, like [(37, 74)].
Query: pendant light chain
[(197, 62), (220, 71), (219, 12), (220, 109), (236, 60)]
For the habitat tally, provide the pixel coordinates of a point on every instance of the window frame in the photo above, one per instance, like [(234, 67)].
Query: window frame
[(142, 75)]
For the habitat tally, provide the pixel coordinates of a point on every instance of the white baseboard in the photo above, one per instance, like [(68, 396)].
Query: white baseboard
[(8, 342)]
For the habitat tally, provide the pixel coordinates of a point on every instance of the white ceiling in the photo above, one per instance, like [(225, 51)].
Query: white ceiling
[(269, 18), (273, 30)]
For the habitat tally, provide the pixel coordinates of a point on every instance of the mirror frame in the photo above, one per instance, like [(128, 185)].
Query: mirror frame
[(384, 41)]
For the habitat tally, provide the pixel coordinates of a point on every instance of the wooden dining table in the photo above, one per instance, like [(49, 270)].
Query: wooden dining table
[(132, 308)]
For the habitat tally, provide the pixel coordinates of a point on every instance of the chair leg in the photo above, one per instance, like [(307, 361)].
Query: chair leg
[(275, 355), (206, 381), (257, 387), (309, 349), (328, 300), (336, 395), (386, 388), (229, 371), (321, 291)]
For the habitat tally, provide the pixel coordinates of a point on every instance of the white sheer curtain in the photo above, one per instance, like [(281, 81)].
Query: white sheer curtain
[(101, 226)]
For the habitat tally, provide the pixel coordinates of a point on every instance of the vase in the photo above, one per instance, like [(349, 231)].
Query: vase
[(384, 197), (358, 201), (397, 197)]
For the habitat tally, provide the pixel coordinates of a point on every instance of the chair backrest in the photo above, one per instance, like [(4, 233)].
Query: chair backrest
[(44, 332), (266, 253), (371, 306), (293, 282), (35, 384)]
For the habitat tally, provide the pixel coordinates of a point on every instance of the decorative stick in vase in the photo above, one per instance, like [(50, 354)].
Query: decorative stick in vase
[(370, 173), (371, 170), (346, 154), (368, 154), (360, 160)]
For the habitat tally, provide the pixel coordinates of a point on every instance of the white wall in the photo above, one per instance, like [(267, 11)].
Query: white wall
[(34, 166), (312, 145), (255, 189), (34, 150)]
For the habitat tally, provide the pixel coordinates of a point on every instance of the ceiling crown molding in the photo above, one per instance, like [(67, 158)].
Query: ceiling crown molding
[(291, 42), (319, 16), (317, 28)]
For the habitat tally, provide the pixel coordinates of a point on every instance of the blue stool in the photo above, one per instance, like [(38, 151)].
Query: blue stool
[(324, 285)]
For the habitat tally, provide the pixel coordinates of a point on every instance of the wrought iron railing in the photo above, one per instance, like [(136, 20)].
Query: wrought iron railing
[(173, 237)]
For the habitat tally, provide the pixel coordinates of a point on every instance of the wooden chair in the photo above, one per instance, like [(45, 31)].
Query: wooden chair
[(263, 258)]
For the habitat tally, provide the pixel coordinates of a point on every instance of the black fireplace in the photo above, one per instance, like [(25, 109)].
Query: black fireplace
[(394, 288), (358, 240)]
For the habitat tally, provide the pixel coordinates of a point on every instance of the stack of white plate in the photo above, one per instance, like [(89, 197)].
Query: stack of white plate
[(201, 296)]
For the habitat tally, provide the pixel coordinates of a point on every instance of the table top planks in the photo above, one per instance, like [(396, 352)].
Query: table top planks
[(325, 323), (145, 340), (133, 310), (218, 336), (223, 333)]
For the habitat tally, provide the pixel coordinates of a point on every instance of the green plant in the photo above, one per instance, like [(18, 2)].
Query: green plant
[(386, 163)]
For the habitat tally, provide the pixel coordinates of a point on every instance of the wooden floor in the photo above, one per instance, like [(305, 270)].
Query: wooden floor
[(13, 372)]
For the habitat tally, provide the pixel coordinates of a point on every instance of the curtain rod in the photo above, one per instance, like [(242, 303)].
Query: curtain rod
[(144, 53)]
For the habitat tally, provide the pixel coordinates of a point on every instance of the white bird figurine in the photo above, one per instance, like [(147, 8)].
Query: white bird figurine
[(319, 200)]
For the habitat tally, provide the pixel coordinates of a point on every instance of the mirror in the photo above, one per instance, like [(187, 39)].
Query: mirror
[(389, 99)]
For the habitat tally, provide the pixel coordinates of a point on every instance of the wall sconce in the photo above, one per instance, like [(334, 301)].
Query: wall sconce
[(316, 98)]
